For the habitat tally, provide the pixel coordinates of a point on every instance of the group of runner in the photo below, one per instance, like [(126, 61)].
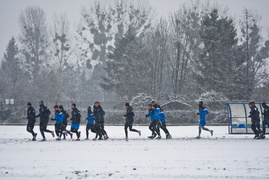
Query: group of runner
[(95, 122), (255, 120)]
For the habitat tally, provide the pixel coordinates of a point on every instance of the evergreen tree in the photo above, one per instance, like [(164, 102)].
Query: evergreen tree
[(12, 73), (128, 67), (219, 65)]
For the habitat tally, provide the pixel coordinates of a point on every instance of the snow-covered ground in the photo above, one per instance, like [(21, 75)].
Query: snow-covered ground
[(222, 156)]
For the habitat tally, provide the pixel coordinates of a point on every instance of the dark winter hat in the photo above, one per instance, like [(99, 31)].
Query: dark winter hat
[(153, 102), (250, 103), (155, 106), (74, 104), (41, 102), (263, 104), (29, 104), (89, 110), (61, 107), (56, 106), (201, 102), (127, 104)]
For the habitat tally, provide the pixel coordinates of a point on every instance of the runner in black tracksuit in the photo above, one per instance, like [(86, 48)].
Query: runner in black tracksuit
[(44, 113), (255, 119), (75, 121), (66, 116), (129, 121), (31, 120), (265, 119), (99, 113)]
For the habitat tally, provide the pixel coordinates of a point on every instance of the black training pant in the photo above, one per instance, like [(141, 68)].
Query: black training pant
[(204, 128), (43, 128), (256, 128), (30, 128), (75, 131), (264, 123), (89, 127), (64, 129), (103, 129), (162, 125), (153, 128), (100, 130), (130, 126), (58, 129)]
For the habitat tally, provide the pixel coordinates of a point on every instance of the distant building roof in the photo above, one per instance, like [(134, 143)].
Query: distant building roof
[(175, 105)]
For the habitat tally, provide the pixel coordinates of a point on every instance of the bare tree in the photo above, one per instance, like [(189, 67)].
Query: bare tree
[(102, 24), (185, 40), (105, 24), (157, 42), (254, 51), (61, 41), (61, 51), (34, 40)]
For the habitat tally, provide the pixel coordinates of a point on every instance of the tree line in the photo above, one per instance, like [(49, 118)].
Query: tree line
[(121, 49)]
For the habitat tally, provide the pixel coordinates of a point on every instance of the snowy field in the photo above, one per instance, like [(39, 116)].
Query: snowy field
[(222, 156)]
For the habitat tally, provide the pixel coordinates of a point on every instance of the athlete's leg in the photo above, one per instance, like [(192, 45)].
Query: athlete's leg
[(125, 129), (41, 128), (163, 127), (131, 128), (206, 129), (157, 130), (200, 131), (264, 127), (152, 129), (259, 128), (57, 129), (87, 131), (30, 128)]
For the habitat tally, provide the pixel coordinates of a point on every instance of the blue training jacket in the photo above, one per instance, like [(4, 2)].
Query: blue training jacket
[(162, 115), (202, 114), (157, 113), (90, 118), (59, 118), (151, 115)]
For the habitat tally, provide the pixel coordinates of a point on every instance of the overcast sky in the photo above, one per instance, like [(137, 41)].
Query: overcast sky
[(10, 10)]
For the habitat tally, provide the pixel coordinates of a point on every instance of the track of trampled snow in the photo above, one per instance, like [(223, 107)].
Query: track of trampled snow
[(222, 156)]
